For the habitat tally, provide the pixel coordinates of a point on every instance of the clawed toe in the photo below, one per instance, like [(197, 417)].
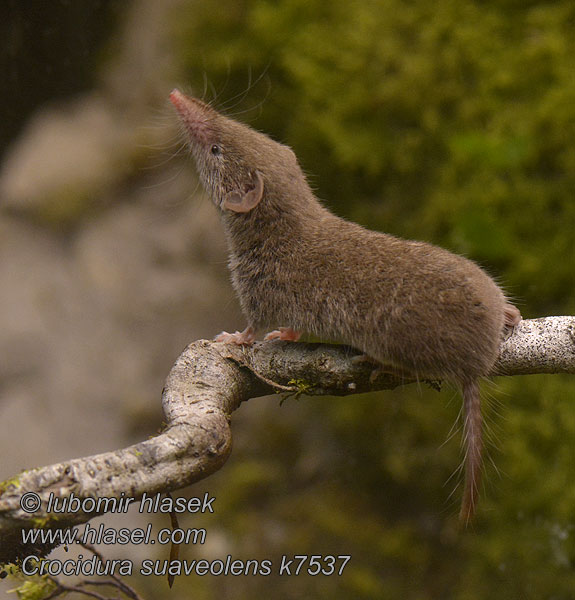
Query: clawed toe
[(272, 335), (283, 333), (244, 338)]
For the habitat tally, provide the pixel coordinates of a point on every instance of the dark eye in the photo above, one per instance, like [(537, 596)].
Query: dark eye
[(215, 149)]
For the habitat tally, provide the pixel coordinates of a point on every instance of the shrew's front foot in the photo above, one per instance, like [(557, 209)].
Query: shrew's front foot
[(283, 333), (245, 338)]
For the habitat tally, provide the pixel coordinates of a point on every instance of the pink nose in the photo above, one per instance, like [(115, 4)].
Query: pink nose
[(177, 98), (197, 117)]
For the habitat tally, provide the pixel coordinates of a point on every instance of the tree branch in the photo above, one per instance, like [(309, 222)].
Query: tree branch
[(207, 383)]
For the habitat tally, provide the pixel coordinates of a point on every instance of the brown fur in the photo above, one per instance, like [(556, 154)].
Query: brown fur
[(404, 303)]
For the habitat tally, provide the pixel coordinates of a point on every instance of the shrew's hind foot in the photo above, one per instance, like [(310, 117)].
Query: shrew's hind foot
[(245, 338), (283, 333)]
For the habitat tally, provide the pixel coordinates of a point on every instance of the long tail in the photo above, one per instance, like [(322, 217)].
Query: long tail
[(473, 446)]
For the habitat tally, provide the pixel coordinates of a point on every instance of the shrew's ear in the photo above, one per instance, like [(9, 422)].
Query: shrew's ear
[(244, 202)]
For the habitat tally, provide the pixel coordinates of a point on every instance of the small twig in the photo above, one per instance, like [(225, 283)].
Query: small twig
[(273, 384), (97, 582), (115, 581), (62, 589)]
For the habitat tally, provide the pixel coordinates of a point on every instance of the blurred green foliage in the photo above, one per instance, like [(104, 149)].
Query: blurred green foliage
[(452, 122)]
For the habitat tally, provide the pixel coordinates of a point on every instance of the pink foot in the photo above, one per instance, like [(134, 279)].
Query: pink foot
[(283, 333), (246, 338), (512, 315)]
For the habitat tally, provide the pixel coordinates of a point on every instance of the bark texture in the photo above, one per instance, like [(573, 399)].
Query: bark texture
[(207, 383)]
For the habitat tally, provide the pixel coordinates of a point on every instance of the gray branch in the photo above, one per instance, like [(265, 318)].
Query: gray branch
[(206, 385)]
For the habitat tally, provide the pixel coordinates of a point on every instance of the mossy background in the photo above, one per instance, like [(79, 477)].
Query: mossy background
[(451, 122)]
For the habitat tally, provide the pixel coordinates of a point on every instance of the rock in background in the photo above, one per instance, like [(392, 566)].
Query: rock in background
[(111, 260)]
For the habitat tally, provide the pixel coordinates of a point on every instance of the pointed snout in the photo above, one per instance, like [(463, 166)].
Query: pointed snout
[(195, 116)]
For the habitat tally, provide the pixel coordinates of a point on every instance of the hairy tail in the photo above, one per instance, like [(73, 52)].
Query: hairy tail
[(473, 447)]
